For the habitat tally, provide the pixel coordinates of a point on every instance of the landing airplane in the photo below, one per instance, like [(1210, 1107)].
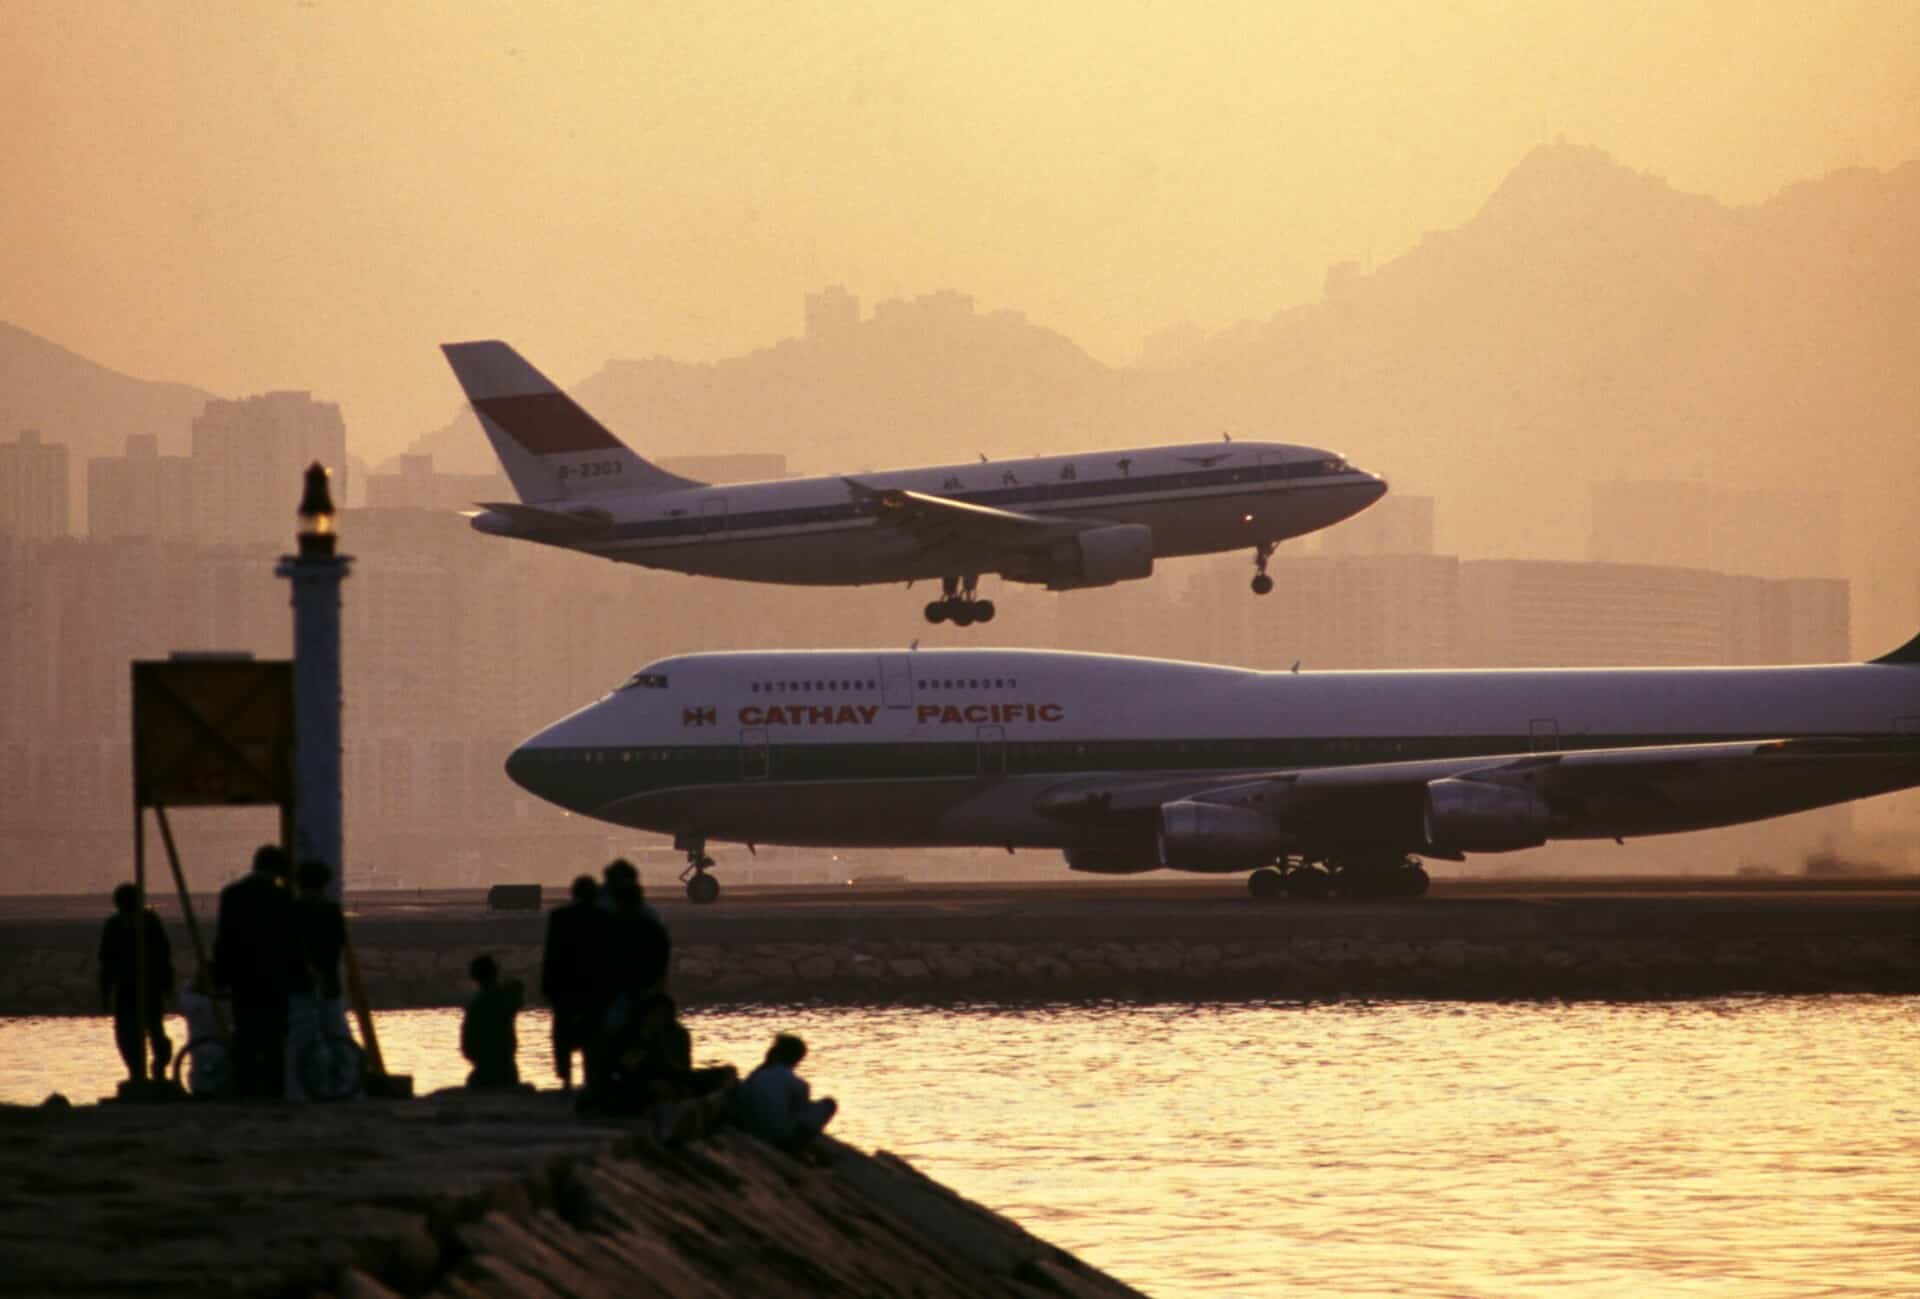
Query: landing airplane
[(1316, 782), (1064, 522)]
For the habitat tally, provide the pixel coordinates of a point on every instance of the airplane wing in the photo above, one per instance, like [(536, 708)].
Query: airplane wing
[(1581, 787), (935, 521)]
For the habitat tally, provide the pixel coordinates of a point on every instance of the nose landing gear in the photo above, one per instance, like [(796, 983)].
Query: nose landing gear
[(957, 603), (1262, 552), (701, 887)]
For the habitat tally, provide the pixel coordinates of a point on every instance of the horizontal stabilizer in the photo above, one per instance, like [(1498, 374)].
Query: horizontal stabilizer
[(548, 519)]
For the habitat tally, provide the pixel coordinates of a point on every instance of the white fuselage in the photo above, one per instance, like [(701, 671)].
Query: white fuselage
[(1197, 499), (971, 747)]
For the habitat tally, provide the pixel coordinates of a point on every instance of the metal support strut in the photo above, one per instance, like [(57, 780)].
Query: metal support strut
[(1262, 552)]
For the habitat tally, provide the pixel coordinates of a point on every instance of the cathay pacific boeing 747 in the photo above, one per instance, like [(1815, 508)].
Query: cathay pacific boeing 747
[(1315, 782), (1064, 522)]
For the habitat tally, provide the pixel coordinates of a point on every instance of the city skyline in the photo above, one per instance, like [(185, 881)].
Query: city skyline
[(457, 647)]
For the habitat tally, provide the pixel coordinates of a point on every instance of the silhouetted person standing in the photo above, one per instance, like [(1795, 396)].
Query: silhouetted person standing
[(120, 983), (315, 1010), (487, 1036), (574, 970), (257, 957), (642, 948)]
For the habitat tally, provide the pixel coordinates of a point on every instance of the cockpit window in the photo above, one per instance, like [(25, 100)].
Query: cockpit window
[(645, 681)]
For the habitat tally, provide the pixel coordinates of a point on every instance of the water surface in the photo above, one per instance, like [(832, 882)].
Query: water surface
[(1742, 1147)]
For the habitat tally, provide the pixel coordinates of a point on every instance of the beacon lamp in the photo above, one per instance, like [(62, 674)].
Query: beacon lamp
[(316, 513)]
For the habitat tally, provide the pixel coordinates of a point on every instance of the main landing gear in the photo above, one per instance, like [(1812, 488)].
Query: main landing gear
[(1262, 552), (701, 887), (1359, 877), (957, 603)]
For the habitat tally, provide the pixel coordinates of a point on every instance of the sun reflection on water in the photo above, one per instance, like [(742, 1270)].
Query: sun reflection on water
[(1750, 1147)]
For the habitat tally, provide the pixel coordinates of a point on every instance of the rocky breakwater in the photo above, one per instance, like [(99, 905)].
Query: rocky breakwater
[(475, 1196)]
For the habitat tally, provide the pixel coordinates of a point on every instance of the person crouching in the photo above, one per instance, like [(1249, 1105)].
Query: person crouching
[(487, 1037)]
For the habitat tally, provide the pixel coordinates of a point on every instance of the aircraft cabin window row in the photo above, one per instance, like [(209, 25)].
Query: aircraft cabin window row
[(970, 683), (797, 687)]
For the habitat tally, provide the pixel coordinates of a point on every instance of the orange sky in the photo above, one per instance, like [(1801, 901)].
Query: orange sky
[(313, 194)]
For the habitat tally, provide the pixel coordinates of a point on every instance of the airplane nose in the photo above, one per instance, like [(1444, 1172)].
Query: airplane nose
[(540, 768), (522, 765)]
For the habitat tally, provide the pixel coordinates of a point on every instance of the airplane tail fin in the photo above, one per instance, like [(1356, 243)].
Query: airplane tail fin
[(551, 449)]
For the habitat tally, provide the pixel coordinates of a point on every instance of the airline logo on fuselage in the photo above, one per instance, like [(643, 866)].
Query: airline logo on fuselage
[(924, 714)]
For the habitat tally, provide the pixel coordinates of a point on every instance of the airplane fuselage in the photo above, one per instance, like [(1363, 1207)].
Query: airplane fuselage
[(1196, 499), (1055, 749)]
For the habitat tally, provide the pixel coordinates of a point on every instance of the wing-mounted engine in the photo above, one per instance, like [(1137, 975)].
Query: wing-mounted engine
[(1480, 816), (1197, 836), (1118, 859), (1118, 552)]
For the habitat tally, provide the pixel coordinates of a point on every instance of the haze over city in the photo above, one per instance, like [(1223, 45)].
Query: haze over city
[(1626, 288)]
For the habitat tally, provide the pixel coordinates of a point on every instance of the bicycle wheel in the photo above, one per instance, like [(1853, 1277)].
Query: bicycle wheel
[(333, 1068), (210, 1073)]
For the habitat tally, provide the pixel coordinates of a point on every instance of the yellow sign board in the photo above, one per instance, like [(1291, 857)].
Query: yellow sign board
[(212, 732)]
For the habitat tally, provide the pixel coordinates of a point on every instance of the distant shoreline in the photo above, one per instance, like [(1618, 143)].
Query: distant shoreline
[(1205, 940)]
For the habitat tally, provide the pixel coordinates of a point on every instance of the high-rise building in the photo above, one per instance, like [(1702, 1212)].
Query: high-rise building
[(1395, 525), (1542, 613), (140, 494), (418, 486), (1762, 533), (33, 488), (248, 458), (1331, 612)]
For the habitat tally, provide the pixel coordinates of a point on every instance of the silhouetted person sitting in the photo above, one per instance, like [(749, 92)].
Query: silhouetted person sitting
[(774, 1103), (651, 1060), (257, 958), (120, 983), (574, 974), (487, 1036)]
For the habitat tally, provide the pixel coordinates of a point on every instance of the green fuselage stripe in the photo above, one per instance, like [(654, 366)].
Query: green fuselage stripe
[(595, 776)]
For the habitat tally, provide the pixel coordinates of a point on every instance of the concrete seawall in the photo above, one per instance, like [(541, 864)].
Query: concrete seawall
[(934, 946)]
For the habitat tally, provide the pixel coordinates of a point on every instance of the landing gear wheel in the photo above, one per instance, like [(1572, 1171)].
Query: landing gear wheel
[(936, 611), (983, 611), (1266, 883), (963, 613), (1413, 880), (702, 888), (1262, 552)]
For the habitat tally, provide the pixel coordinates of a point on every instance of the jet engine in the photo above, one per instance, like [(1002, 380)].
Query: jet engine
[(1473, 816), (1214, 837), (1119, 552)]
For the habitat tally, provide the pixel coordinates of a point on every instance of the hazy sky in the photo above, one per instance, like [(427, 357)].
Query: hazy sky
[(311, 195)]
